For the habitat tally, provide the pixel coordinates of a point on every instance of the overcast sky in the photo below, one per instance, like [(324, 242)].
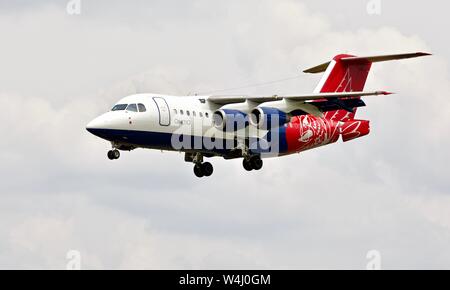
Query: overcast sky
[(326, 208)]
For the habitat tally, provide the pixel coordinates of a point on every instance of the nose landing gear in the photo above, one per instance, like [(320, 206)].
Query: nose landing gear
[(113, 154)]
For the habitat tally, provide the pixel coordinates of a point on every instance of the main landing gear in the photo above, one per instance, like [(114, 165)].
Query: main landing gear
[(252, 163), (203, 169), (113, 154)]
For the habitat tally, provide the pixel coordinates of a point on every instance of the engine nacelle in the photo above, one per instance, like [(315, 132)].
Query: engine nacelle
[(229, 120), (267, 118), (354, 129)]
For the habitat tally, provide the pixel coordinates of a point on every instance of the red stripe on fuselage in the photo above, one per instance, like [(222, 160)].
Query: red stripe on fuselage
[(307, 132)]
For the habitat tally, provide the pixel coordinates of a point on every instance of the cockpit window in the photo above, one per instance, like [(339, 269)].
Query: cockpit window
[(141, 108), (132, 108), (119, 107)]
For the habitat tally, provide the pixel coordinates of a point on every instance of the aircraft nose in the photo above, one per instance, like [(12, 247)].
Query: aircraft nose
[(95, 125)]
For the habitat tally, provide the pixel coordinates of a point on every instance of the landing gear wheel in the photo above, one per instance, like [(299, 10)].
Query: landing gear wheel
[(247, 165), (116, 154), (113, 154), (198, 171), (110, 155), (207, 169), (256, 162)]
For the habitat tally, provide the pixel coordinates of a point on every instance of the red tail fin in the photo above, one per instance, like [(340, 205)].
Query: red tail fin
[(343, 76), (347, 73)]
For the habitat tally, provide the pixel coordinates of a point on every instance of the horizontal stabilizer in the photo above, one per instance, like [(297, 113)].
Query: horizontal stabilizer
[(378, 58), (318, 69)]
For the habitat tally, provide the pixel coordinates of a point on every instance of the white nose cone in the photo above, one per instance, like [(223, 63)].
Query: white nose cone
[(98, 126), (97, 123), (105, 126)]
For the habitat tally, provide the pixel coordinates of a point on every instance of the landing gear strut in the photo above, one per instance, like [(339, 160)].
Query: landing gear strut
[(113, 154), (252, 163)]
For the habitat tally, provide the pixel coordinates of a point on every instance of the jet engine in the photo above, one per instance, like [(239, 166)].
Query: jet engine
[(229, 120), (267, 118)]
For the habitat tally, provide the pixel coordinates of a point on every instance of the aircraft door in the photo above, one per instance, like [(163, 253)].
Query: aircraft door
[(164, 111)]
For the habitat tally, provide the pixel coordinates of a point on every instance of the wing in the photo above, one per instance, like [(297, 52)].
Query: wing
[(223, 100)]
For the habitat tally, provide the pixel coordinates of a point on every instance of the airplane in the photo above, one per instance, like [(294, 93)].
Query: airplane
[(247, 127)]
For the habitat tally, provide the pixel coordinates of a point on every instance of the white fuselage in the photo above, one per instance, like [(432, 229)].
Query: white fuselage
[(164, 117)]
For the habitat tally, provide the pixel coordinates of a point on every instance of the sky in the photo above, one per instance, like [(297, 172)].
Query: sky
[(321, 209)]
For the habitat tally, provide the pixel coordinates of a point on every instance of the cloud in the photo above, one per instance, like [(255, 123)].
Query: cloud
[(323, 209)]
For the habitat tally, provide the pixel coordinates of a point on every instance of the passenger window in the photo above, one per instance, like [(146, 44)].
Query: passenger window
[(141, 108), (119, 107), (206, 115), (193, 114), (200, 114), (181, 112), (132, 108), (188, 113), (175, 111)]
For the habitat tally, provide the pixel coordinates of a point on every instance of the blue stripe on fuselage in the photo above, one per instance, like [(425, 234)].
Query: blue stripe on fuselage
[(164, 141)]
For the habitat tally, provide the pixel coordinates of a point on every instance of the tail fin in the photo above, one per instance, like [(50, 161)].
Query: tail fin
[(348, 73)]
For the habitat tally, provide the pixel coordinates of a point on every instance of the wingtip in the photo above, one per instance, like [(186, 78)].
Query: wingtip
[(385, 93), (424, 54)]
